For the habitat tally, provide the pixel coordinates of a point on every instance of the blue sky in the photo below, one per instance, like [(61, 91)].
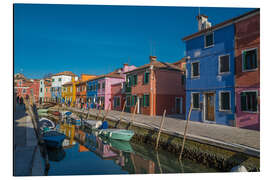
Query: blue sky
[(98, 39)]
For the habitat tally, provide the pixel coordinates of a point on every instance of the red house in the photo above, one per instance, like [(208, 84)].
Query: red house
[(247, 71)]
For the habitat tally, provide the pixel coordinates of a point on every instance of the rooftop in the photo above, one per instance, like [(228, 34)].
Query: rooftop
[(220, 25)]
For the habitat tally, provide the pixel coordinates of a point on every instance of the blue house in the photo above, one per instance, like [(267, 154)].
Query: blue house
[(92, 92), (210, 73)]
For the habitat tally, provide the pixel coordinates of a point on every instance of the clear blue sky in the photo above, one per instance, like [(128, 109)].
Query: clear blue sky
[(98, 39)]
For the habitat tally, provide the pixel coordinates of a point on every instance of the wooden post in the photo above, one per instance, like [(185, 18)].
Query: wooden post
[(107, 111), (161, 125), (184, 139), (121, 114), (132, 119)]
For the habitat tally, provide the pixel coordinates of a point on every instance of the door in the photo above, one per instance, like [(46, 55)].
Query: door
[(179, 105), (140, 105), (209, 107)]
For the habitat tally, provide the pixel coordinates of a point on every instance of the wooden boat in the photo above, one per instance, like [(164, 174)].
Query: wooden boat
[(92, 124), (53, 139), (119, 134)]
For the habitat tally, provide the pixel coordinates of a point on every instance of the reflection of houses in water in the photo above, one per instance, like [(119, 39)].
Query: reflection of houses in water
[(142, 166)]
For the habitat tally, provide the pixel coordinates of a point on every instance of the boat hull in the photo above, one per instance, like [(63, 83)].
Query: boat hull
[(123, 135)]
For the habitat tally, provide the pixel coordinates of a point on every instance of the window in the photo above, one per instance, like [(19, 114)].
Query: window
[(250, 59), (103, 85), (146, 77), (195, 69), (40, 89), (224, 64), (224, 101), (23, 91), (146, 100), (249, 101), (98, 86), (59, 79), (196, 100), (129, 81), (52, 80), (209, 40), (134, 80)]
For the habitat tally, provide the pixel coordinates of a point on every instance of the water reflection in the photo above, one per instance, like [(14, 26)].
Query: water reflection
[(87, 153)]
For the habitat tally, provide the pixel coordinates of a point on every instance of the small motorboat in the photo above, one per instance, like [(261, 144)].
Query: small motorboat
[(53, 139), (119, 145), (119, 134), (92, 124), (46, 124)]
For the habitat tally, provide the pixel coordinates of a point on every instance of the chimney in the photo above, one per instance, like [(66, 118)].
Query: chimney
[(203, 22), (153, 58)]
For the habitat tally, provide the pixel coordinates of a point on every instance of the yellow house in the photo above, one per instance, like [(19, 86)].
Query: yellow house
[(69, 92)]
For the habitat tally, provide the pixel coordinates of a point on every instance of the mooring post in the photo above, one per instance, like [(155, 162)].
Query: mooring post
[(160, 127), (184, 139), (133, 116), (108, 108), (121, 114)]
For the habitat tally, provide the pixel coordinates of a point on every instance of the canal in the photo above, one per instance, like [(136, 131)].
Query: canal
[(84, 152)]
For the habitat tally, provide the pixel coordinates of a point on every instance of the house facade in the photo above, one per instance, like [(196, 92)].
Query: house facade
[(99, 88), (118, 96), (81, 89), (57, 82), (156, 86), (210, 73), (41, 90), (47, 91), (247, 75)]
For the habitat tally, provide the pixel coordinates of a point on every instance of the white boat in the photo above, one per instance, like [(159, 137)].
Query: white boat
[(92, 124)]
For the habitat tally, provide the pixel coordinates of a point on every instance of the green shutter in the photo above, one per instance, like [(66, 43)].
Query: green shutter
[(244, 60), (143, 100), (243, 101)]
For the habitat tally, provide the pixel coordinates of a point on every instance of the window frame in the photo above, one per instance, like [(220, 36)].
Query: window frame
[(198, 69), (219, 64), (230, 103), (205, 40), (254, 112), (144, 100), (193, 108), (242, 53)]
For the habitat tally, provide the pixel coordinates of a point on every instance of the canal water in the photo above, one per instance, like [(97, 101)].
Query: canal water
[(86, 153)]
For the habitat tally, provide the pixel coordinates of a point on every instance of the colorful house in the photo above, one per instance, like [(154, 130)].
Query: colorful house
[(247, 72), (47, 91), (118, 96), (67, 92), (99, 88), (156, 86), (57, 81), (81, 89), (41, 90)]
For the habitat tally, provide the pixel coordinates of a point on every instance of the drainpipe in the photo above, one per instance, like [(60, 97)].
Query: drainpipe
[(151, 91)]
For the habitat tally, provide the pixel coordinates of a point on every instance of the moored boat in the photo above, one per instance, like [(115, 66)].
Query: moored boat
[(119, 134), (92, 124), (53, 138), (46, 124)]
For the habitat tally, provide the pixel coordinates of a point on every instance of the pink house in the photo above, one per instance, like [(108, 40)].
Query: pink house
[(99, 89)]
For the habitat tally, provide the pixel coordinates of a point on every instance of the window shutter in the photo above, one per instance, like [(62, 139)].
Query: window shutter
[(243, 101), (143, 100), (244, 60)]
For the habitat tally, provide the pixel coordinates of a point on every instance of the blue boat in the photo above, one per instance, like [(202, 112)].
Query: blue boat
[(53, 138)]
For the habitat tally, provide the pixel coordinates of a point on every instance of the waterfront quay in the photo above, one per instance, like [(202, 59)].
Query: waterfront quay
[(26, 151), (226, 145)]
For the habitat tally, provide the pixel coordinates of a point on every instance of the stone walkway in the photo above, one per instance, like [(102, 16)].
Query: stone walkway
[(27, 159), (232, 138)]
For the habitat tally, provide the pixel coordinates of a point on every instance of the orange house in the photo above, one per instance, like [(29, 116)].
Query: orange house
[(81, 89)]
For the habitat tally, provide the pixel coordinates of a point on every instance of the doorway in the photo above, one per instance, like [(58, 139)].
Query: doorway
[(209, 106), (179, 105)]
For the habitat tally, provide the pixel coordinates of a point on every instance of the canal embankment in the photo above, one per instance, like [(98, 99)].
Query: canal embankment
[(213, 145), (27, 157)]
